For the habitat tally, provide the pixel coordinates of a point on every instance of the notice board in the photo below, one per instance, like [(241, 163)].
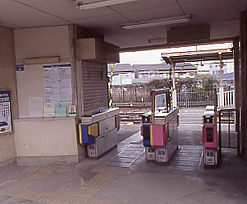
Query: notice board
[(5, 112), (42, 84)]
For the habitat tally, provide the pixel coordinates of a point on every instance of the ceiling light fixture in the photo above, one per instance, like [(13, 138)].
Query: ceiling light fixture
[(156, 22), (98, 4)]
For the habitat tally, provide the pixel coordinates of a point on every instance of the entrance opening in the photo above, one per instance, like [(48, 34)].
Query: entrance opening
[(192, 72)]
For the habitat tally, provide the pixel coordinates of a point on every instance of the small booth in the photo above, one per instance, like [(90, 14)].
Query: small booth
[(209, 132), (159, 128)]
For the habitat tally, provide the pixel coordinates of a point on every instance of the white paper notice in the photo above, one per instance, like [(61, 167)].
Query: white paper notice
[(58, 84), (36, 106)]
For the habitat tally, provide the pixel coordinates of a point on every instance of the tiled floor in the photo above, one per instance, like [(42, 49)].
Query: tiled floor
[(105, 181), (128, 156), (188, 158)]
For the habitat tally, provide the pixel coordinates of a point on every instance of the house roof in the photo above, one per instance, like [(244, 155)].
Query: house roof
[(144, 80), (228, 76), (121, 68)]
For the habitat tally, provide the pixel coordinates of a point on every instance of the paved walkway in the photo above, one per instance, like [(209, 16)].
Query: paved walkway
[(123, 176)]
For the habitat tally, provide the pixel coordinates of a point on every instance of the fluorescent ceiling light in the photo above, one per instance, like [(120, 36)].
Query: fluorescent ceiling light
[(98, 4), (156, 22)]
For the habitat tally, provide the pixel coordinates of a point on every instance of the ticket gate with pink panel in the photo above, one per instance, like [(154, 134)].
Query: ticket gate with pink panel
[(160, 128), (209, 137)]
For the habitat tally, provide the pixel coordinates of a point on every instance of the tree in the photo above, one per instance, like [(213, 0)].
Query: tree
[(158, 83), (208, 82)]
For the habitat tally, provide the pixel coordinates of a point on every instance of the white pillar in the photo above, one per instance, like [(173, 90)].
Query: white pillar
[(221, 91), (174, 93), (174, 99), (221, 97)]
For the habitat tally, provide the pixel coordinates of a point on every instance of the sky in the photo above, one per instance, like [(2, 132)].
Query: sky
[(154, 56), (141, 57)]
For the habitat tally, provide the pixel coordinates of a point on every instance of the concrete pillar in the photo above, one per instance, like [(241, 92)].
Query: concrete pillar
[(236, 78), (243, 82), (236, 72), (8, 82)]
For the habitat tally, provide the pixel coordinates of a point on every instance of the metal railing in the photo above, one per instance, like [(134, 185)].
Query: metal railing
[(188, 99), (226, 99), (232, 140)]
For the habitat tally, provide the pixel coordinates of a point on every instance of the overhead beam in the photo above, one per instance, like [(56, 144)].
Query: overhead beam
[(162, 46), (199, 57)]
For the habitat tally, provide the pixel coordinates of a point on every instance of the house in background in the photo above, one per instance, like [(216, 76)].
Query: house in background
[(124, 74), (213, 68)]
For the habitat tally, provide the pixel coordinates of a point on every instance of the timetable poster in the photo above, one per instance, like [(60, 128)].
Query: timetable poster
[(5, 112), (58, 84)]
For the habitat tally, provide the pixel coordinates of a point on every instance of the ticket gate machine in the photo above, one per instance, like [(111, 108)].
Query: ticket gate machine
[(159, 128), (209, 137)]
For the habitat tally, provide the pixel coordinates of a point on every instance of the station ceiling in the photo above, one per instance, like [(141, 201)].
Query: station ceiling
[(222, 16)]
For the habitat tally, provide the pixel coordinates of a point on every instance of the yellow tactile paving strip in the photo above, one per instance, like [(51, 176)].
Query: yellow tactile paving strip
[(42, 173), (85, 194)]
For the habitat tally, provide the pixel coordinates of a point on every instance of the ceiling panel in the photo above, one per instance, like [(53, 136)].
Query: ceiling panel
[(153, 13), (158, 32), (129, 39), (225, 29), (143, 5), (19, 15), (222, 15), (66, 9), (106, 24), (213, 11)]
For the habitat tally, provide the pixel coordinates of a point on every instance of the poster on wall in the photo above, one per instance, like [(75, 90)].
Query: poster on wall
[(5, 112), (58, 84)]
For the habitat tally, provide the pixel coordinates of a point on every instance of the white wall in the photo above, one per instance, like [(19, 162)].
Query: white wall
[(45, 137), (7, 82), (42, 42)]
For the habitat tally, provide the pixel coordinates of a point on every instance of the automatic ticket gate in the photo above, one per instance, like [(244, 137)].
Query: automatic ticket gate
[(209, 137), (160, 128)]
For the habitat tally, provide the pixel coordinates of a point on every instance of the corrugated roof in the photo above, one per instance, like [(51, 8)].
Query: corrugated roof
[(121, 68), (152, 67), (144, 80), (149, 67), (228, 76)]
